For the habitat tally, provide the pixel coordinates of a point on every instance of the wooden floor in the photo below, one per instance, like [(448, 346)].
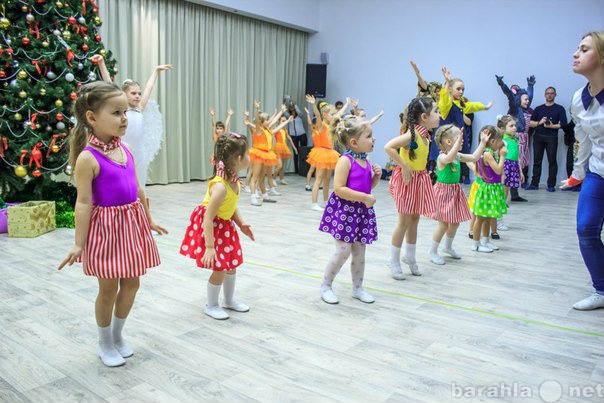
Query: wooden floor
[(488, 320)]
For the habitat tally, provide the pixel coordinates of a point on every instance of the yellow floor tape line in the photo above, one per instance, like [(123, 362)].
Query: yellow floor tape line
[(431, 301)]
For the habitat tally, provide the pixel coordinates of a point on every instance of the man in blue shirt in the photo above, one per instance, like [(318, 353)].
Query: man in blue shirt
[(547, 119)]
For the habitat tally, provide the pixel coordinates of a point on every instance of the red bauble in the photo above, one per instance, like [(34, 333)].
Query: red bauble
[(78, 84), (85, 48), (2, 74), (97, 37), (71, 20), (36, 173), (25, 40), (59, 116), (73, 96)]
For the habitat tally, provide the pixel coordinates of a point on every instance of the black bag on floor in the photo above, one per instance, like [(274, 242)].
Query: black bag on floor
[(303, 166)]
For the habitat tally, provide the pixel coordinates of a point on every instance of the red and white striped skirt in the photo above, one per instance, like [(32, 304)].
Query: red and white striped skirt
[(451, 203), (119, 243), (415, 197)]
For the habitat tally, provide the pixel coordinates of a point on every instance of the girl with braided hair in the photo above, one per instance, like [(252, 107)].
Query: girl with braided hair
[(410, 183), (349, 215), (113, 228), (211, 237)]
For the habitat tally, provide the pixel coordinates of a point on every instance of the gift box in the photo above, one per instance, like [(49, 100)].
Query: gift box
[(31, 219), (4, 218)]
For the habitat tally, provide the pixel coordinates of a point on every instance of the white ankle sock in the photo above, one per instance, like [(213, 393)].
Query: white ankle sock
[(117, 324), (484, 240), (228, 287), (434, 248), (395, 254), (448, 243), (410, 252), (107, 351), (213, 293)]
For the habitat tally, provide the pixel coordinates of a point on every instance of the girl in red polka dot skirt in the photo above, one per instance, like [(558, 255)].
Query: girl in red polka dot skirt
[(211, 238)]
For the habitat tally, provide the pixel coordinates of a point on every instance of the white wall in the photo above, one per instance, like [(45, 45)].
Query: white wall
[(371, 42), (299, 14)]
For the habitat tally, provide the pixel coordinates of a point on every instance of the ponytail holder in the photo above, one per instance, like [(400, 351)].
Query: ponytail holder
[(413, 145), (220, 170), (499, 117), (236, 135)]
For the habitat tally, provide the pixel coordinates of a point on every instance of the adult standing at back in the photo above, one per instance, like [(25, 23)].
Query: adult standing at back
[(296, 130), (547, 119)]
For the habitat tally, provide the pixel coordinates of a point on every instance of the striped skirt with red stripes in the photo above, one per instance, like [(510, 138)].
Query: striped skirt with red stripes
[(119, 243), (415, 197), (451, 203)]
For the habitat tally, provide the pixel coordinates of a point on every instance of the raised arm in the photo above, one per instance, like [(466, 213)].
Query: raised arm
[(99, 60), (213, 115), (512, 107), (282, 125), (308, 120), (228, 120), (277, 116), (247, 123), (484, 138), (451, 156), (151, 83), (530, 85), (341, 112), (311, 100), (420, 81), (376, 117)]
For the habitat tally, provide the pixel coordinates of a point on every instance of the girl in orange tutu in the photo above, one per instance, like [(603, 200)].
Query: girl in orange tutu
[(281, 149), (262, 157), (323, 157), (314, 134)]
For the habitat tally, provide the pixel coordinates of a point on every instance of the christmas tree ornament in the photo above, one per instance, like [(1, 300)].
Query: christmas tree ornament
[(36, 173), (24, 9), (66, 34), (97, 38), (59, 4), (42, 91), (58, 103), (97, 21), (48, 128), (45, 44), (82, 20), (20, 171), (22, 94), (80, 66), (60, 126), (50, 75), (69, 77), (91, 76), (25, 40), (71, 20), (73, 96), (4, 23), (85, 48), (2, 74), (17, 117), (56, 32), (59, 116), (103, 52), (14, 83), (22, 74), (55, 148), (29, 17)]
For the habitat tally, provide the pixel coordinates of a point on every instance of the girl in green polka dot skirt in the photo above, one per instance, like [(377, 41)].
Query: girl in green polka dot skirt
[(490, 197)]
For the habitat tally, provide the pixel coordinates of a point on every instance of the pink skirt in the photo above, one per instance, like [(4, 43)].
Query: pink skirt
[(523, 149), (415, 197), (119, 243), (451, 203), (226, 242)]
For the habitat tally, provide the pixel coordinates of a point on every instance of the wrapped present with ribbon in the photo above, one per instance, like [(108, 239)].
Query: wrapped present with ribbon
[(31, 219)]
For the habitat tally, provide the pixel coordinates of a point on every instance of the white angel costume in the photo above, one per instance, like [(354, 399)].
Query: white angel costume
[(144, 137)]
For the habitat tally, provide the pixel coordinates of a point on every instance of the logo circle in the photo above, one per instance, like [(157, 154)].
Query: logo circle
[(550, 391)]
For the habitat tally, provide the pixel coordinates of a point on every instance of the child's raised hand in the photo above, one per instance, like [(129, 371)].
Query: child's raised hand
[(306, 110), (246, 114), (208, 258), (377, 169), (72, 256), (257, 104), (158, 228), (489, 105), (96, 59), (246, 229), (310, 98), (230, 112), (485, 135), (212, 112), (446, 74), (163, 67), (414, 66), (370, 199)]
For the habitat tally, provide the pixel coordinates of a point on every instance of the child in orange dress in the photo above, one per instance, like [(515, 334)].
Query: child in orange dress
[(281, 149)]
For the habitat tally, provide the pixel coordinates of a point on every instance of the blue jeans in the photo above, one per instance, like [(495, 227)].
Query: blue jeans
[(590, 218)]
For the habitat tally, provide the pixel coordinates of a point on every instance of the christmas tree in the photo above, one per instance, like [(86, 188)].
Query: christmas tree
[(44, 57)]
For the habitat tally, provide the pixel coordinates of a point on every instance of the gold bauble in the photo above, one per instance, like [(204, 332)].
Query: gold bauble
[(18, 117), (66, 34), (58, 103), (103, 52), (22, 74), (45, 44), (97, 21), (42, 91), (4, 23), (20, 171), (24, 9), (59, 4), (22, 94), (55, 148)]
